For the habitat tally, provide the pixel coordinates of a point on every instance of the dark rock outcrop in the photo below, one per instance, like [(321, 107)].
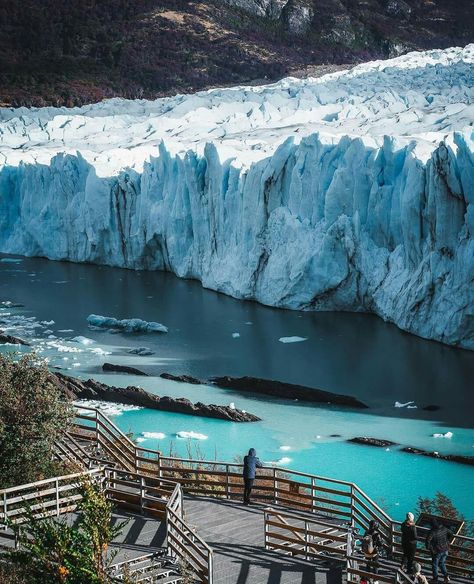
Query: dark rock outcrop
[(181, 378), (285, 390), (122, 369), (4, 338), (450, 457), (91, 389), (378, 442)]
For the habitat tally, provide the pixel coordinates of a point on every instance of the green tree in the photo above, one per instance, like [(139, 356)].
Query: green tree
[(33, 415)]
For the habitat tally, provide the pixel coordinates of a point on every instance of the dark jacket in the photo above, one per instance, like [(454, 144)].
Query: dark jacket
[(438, 539), (374, 531), (409, 536), (251, 463)]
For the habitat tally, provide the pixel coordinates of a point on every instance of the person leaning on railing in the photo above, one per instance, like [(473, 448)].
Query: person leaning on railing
[(437, 543), (251, 463)]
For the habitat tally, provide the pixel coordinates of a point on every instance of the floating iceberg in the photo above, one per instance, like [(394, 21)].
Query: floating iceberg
[(285, 448), (128, 325), (292, 339), (353, 191), (154, 435), (83, 340), (445, 435), (191, 435), (142, 351)]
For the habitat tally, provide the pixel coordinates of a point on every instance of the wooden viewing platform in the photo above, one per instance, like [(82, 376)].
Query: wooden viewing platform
[(302, 529)]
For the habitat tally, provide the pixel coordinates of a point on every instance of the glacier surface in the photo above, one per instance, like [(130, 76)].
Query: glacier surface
[(353, 191)]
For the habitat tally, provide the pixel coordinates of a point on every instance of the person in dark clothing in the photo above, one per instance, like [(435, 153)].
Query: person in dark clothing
[(371, 547), (251, 463), (409, 537), (437, 543)]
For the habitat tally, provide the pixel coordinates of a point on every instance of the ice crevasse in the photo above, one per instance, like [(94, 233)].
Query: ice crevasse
[(353, 191)]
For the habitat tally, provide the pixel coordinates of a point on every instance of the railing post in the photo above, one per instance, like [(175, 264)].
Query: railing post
[(5, 510), (306, 540), (210, 565), (227, 481), (265, 528), (57, 497), (275, 486), (142, 494), (352, 506), (313, 494)]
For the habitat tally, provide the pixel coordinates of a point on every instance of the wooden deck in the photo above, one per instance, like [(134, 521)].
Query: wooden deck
[(236, 535)]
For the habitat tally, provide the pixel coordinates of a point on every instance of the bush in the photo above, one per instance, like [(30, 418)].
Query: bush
[(54, 552), (33, 415)]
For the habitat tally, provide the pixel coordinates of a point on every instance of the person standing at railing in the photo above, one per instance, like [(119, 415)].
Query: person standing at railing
[(409, 538), (371, 547), (437, 543), (251, 463)]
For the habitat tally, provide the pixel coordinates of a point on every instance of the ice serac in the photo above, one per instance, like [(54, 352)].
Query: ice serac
[(354, 191)]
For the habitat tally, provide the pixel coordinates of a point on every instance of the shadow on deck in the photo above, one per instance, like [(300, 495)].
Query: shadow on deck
[(236, 534)]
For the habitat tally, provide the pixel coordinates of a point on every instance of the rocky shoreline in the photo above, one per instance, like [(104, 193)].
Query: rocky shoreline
[(131, 395), (279, 389), (380, 443), (11, 340)]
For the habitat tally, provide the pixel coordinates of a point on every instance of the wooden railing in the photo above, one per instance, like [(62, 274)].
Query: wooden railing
[(304, 536), (193, 552), (50, 497), (337, 500), (111, 443)]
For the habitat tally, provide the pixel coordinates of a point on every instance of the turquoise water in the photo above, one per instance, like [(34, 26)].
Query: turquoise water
[(349, 353)]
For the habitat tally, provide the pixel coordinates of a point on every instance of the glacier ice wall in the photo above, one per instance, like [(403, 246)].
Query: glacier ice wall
[(350, 192)]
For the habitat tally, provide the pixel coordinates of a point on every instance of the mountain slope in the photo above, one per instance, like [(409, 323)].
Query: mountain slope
[(63, 52)]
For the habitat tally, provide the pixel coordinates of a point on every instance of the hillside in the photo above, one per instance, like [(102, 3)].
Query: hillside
[(63, 52)]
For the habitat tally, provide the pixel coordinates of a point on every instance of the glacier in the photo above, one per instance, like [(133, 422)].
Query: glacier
[(353, 191)]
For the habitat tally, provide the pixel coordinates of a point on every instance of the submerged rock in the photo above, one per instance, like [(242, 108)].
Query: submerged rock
[(91, 389), (9, 339), (378, 442), (123, 369), (286, 390), (181, 378), (449, 457)]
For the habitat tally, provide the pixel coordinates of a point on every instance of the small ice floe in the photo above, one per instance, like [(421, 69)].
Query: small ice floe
[(52, 337), (318, 437), (387, 450), (109, 409), (235, 335), (128, 325), (100, 352), (76, 364), (10, 304), (140, 440), (285, 448), (142, 351), (65, 330), (232, 405), (154, 435), (82, 340), (445, 435), (249, 322), (292, 339), (11, 260), (283, 460), (410, 405), (191, 435), (61, 282), (47, 322)]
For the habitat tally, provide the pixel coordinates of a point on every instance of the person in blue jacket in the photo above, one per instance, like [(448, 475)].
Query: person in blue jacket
[(251, 463)]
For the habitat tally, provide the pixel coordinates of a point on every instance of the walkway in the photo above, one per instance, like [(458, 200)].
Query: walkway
[(236, 535)]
